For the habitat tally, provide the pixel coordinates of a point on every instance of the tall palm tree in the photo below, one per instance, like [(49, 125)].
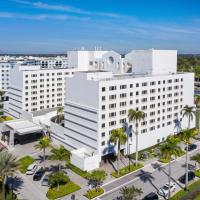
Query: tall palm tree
[(2, 93), (118, 137), (136, 116), (197, 103), (8, 165), (43, 144), (59, 112), (186, 137), (60, 154), (189, 112), (169, 149)]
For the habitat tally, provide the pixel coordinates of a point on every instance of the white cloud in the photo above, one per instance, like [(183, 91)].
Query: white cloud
[(41, 16), (65, 8)]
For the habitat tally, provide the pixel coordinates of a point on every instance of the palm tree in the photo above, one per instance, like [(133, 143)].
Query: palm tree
[(196, 158), (60, 154), (136, 116), (2, 93), (186, 137), (197, 103), (169, 149), (59, 112), (8, 165), (189, 112), (43, 144), (118, 137), (130, 193)]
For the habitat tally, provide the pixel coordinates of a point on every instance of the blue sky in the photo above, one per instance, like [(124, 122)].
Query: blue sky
[(55, 26)]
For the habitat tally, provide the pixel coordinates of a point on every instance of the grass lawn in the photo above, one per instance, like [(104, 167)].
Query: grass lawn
[(90, 194), (197, 198), (78, 171), (192, 187), (64, 190), (8, 196), (24, 162), (125, 170)]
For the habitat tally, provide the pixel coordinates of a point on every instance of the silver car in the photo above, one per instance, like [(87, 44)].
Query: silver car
[(164, 190), (31, 169)]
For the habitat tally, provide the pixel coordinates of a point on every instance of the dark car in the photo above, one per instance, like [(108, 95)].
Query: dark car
[(38, 174), (191, 147), (191, 176), (151, 196)]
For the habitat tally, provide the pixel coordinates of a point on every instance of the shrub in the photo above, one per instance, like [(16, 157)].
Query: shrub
[(97, 176), (64, 190), (58, 178), (24, 162), (78, 171), (197, 173), (90, 194), (125, 170)]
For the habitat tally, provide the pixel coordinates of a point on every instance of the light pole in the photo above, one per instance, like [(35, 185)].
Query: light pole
[(129, 157)]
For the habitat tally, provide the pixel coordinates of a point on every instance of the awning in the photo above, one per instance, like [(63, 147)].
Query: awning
[(23, 127)]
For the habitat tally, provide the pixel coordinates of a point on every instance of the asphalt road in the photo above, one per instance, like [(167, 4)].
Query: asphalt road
[(148, 181)]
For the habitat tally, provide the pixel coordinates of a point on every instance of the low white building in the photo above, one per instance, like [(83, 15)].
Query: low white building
[(97, 102)]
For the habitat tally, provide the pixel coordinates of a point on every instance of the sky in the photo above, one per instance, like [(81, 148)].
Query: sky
[(56, 26)]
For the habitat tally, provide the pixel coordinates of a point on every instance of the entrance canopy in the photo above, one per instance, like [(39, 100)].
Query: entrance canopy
[(23, 127)]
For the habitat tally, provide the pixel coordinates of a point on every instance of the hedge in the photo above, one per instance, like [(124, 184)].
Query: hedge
[(64, 190), (90, 194), (78, 171)]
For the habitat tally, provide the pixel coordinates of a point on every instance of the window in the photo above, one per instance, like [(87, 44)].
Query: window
[(103, 107), (103, 143), (112, 88), (103, 89), (122, 87)]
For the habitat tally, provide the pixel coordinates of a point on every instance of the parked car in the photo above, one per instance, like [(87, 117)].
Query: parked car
[(191, 176), (31, 169), (38, 174), (164, 190), (191, 147), (151, 196), (45, 181)]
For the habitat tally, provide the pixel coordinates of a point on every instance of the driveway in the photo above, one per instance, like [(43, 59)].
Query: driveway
[(150, 179)]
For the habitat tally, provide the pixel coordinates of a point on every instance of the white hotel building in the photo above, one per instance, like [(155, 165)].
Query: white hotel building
[(34, 89), (97, 102)]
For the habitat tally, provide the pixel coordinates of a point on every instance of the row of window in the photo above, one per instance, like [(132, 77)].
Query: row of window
[(143, 84), (47, 74)]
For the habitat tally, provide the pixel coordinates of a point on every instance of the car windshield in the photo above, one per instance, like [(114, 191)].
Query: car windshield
[(165, 187)]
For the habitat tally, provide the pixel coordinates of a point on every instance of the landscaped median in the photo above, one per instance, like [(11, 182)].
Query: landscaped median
[(192, 192), (126, 170), (90, 194), (24, 162), (54, 193)]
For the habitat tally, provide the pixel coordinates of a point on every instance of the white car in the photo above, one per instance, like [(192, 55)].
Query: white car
[(31, 169), (164, 190)]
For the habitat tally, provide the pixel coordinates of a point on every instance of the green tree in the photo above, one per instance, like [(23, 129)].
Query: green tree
[(59, 112), (58, 178), (169, 150), (118, 137), (186, 137), (136, 116), (189, 112), (60, 154), (43, 144), (130, 193), (196, 158), (8, 165), (97, 176), (2, 93), (197, 103)]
